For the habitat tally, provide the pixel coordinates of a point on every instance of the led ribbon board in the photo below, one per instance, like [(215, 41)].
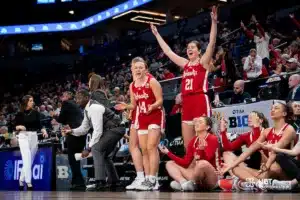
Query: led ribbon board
[(72, 26)]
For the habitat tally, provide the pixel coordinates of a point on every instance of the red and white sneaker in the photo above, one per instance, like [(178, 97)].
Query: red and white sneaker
[(237, 185), (226, 184)]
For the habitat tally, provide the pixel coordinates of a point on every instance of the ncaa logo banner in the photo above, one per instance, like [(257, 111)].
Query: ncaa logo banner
[(237, 116), (11, 166)]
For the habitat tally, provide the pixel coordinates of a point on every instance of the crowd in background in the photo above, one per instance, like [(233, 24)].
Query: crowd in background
[(257, 52)]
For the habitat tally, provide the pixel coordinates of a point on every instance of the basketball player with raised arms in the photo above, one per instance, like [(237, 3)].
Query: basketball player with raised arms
[(195, 102)]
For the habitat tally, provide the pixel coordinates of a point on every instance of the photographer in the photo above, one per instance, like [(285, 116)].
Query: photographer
[(106, 134)]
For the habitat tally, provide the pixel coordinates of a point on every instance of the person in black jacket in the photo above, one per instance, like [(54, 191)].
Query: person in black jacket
[(72, 115)]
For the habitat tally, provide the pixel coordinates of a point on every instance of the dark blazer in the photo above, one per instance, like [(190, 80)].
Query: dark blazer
[(70, 114)]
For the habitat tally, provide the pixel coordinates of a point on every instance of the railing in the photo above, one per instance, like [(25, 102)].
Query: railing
[(171, 87)]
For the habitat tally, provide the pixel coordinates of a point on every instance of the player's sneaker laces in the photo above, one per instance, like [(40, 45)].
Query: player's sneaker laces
[(146, 185)]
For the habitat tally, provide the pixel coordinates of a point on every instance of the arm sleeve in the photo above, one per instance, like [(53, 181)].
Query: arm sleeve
[(83, 128), (294, 20), (232, 146), (260, 29), (63, 114), (97, 122), (249, 34), (187, 159)]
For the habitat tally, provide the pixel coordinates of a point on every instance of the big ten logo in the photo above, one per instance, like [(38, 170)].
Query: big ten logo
[(37, 170), (63, 172), (238, 121)]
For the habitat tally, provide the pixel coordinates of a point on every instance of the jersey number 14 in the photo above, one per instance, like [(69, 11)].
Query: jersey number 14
[(142, 107)]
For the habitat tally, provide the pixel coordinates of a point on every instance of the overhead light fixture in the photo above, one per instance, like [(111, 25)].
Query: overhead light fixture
[(71, 12), (149, 18), (145, 22), (144, 12)]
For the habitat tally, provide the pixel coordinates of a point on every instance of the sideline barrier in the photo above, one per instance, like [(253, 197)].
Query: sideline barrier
[(42, 169)]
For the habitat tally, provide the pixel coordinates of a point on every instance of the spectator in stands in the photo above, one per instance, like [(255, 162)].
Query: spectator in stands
[(2, 142), (294, 108), (3, 121), (293, 65), (253, 65), (43, 111), (178, 105), (237, 95), (58, 109), (167, 74), (117, 97), (294, 85), (71, 115), (154, 65), (4, 132), (295, 50), (261, 39)]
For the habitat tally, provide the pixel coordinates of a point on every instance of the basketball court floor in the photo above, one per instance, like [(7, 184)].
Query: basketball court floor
[(144, 196)]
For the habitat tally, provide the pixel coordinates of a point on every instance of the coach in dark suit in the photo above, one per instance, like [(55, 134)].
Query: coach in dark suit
[(72, 115)]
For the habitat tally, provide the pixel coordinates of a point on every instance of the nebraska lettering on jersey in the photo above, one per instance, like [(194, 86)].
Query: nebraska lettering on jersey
[(144, 96), (141, 96), (194, 80), (189, 73)]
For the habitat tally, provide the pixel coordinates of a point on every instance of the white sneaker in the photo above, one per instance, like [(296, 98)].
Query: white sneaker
[(135, 183), (91, 186), (188, 186), (281, 185), (146, 185), (157, 186), (175, 186)]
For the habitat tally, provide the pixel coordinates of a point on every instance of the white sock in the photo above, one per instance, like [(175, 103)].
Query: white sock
[(152, 179), (29, 185), (147, 176), (183, 181), (140, 175), (21, 183)]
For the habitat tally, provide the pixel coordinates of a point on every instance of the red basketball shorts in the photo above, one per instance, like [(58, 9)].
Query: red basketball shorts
[(194, 106), (155, 120)]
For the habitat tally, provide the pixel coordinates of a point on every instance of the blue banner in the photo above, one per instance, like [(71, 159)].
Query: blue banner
[(72, 26), (11, 165)]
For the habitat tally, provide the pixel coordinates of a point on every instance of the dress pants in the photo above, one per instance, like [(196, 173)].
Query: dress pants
[(103, 152), (75, 145), (28, 143)]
